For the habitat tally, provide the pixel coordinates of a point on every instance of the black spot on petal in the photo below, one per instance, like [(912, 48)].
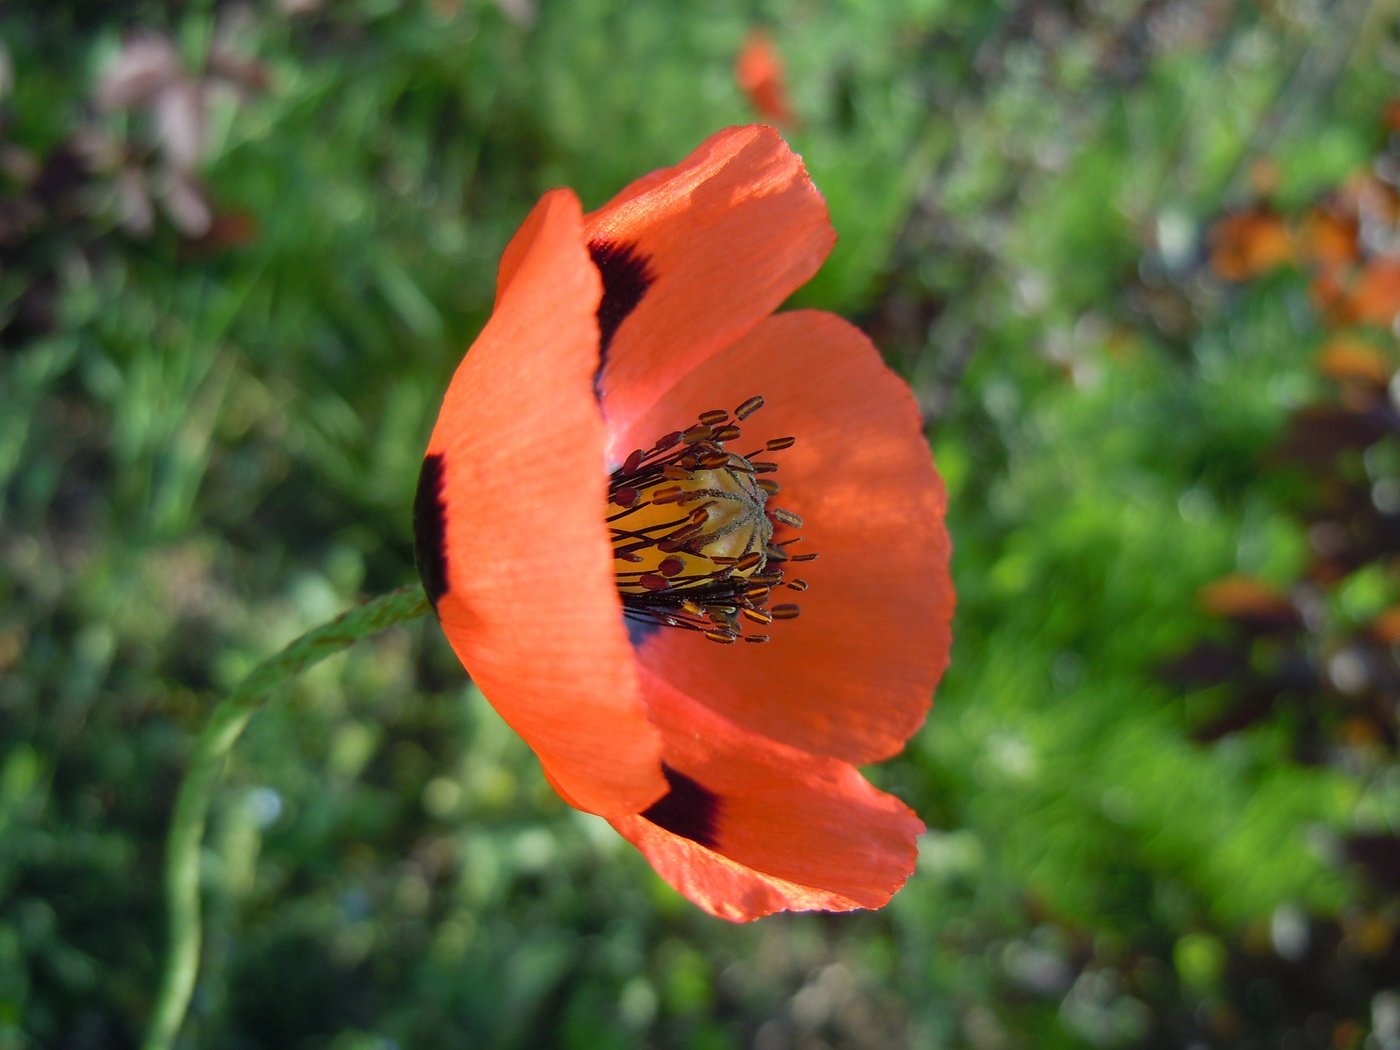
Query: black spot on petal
[(430, 529), (689, 809), (627, 275)]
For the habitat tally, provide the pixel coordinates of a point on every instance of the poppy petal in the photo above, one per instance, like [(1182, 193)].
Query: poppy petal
[(511, 541), (853, 675), (712, 246), (751, 826)]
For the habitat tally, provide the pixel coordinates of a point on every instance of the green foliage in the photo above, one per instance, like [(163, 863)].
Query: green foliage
[(210, 441)]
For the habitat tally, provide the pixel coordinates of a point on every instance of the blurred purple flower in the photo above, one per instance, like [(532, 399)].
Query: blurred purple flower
[(148, 78)]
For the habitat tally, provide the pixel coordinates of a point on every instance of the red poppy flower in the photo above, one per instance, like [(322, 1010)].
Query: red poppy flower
[(616, 521), (759, 71)]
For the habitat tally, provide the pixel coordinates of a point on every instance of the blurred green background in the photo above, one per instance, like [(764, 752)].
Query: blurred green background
[(242, 247)]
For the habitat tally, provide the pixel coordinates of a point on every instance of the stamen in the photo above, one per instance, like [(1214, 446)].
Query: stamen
[(692, 534), (748, 408), (787, 517)]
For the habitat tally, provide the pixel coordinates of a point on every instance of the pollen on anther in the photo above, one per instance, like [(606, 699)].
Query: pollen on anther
[(797, 585), (748, 561), (673, 511), (748, 408), (778, 444)]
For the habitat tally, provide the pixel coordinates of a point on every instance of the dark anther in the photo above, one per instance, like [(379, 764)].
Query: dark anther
[(692, 518), (748, 408)]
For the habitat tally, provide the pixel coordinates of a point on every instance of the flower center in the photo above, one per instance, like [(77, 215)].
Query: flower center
[(692, 532)]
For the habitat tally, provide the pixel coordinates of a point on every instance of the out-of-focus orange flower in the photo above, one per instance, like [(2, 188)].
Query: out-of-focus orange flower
[(1366, 295), (1246, 600), (1329, 237), (759, 71), (600, 527), (1386, 626), (1247, 243), (1348, 359), (1376, 296)]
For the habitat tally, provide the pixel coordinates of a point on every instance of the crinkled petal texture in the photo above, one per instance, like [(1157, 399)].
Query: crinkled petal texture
[(509, 519), (751, 826), (853, 676), (712, 247)]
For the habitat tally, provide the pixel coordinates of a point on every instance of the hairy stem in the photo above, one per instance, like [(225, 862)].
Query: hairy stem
[(206, 766)]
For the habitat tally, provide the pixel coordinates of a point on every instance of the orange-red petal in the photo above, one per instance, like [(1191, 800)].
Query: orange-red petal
[(853, 676), (696, 255), (512, 542), (752, 826)]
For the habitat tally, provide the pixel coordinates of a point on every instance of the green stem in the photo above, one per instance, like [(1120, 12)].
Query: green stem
[(207, 764)]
